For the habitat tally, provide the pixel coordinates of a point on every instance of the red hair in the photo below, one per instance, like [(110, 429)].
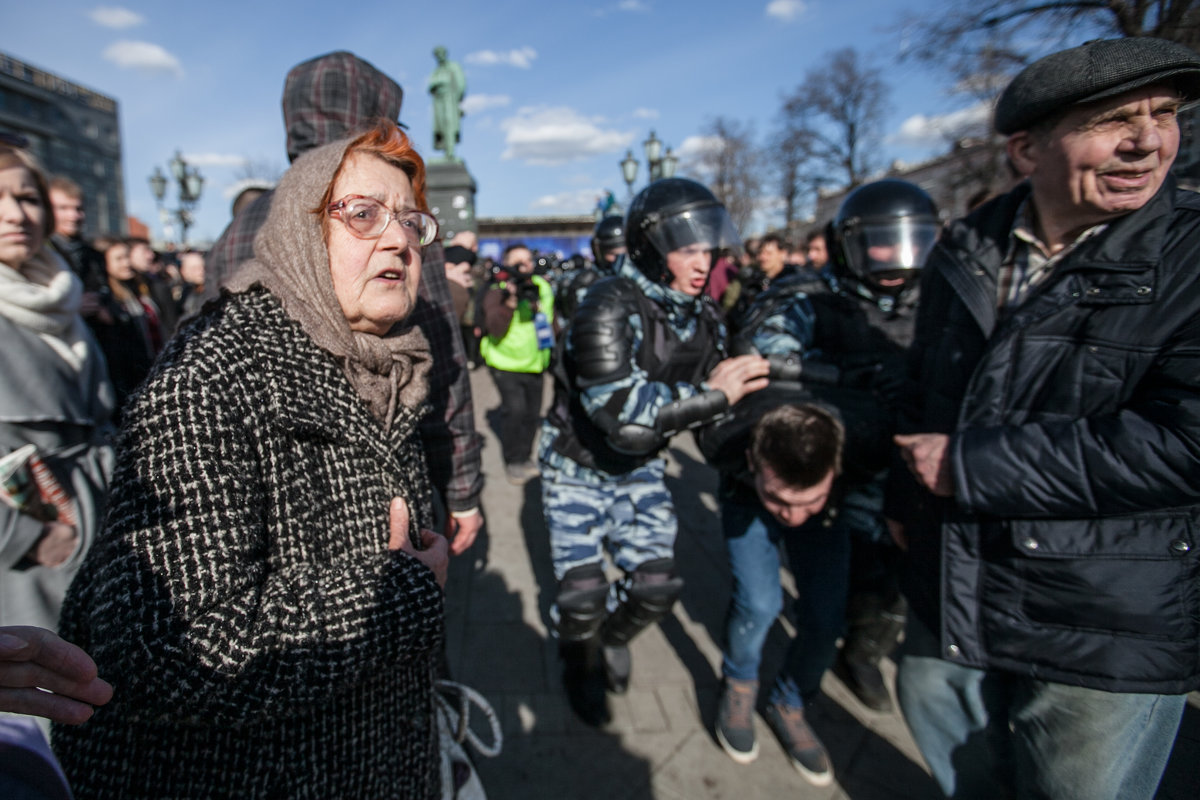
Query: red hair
[(383, 140)]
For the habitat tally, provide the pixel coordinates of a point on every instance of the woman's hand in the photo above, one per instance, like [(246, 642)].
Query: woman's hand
[(434, 552), (58, 541), (43, 675)]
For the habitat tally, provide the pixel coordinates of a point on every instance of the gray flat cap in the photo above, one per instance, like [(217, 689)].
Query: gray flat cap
[(1094, 71)]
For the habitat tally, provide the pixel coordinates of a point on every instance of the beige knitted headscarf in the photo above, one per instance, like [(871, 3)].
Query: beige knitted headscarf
[(291, 262)]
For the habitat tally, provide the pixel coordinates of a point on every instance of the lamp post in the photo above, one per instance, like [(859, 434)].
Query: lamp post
[(660, 165), (190, 185)]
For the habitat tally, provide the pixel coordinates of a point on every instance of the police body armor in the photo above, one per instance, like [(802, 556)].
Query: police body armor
[(865, 348), (663, 356)]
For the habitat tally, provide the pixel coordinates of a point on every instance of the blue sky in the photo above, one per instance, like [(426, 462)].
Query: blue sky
[(556, 92)]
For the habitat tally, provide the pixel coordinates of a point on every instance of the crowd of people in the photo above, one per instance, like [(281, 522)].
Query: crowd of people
[(234, 484)]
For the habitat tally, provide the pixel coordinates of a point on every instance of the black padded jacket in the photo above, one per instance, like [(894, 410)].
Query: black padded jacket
[(1069, 552)]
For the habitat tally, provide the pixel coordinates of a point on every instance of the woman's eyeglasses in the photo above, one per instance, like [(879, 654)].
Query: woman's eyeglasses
[(368, 218)]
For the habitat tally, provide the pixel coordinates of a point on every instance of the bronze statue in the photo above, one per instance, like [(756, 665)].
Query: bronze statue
[(447, 84)]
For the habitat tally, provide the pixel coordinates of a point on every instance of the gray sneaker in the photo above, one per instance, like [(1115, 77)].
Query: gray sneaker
[(804, 749), (735, 720)]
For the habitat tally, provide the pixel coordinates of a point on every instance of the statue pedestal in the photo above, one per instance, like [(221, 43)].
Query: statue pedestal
[(450, 191)]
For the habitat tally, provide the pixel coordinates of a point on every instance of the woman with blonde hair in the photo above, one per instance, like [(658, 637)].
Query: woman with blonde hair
[(55, 406)]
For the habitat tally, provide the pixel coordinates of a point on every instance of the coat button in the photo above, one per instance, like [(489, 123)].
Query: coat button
[(1144, 290), (1030, 543), (1093, 290), (953, 651), (1180, 546), (980, 272), (1093, 349)]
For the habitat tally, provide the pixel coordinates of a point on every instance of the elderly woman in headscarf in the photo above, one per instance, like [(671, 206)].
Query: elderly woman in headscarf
[(265, 596), (55, 404)]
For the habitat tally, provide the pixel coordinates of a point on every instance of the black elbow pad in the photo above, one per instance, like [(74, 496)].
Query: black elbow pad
[(636, 440), (695, 410)]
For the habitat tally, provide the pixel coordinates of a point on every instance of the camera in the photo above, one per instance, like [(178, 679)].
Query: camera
[(522, 285)]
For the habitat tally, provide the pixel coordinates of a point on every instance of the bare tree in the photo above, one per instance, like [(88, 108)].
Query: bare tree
[(260, 169), (997, 37), (731, 167), (832, 124)]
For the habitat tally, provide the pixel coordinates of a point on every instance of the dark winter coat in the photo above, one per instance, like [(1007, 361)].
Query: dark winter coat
[(1069, 552), (261, 638)]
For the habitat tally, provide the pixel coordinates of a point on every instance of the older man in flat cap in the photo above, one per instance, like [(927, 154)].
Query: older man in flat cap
[(1051, 505)]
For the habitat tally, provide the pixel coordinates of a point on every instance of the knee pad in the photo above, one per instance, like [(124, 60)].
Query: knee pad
[(581, 602), (651, 590)]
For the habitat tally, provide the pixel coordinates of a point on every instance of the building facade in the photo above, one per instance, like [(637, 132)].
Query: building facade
[(73, 131)]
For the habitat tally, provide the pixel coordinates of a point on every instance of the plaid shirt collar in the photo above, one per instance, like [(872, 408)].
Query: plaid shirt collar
[(1029, 261)]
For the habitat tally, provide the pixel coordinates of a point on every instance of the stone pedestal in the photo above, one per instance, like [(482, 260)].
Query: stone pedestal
[(450, 191)]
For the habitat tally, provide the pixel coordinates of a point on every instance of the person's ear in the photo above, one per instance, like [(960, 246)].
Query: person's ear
[(1023, 151)]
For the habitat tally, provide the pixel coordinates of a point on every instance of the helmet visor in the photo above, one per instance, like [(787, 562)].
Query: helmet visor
[(902, 244), (709, 226)]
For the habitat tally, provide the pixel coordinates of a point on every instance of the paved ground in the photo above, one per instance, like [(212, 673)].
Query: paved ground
[(659, 744)]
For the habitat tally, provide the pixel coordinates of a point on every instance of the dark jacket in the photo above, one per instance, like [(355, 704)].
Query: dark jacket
[(1069, 552), (261, 638)]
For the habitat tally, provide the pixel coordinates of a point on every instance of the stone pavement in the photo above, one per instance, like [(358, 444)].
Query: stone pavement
[(659, 744)]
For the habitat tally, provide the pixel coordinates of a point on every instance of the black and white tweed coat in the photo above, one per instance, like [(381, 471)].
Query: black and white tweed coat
[(262, 640)]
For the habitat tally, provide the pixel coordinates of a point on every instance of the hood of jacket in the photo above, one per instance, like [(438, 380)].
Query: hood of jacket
[(327, 97)]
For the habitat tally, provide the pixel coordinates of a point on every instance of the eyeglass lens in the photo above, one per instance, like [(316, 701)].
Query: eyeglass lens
[(369, 218)]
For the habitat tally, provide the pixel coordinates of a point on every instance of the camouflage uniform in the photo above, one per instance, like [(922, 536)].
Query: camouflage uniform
[(629, 514)]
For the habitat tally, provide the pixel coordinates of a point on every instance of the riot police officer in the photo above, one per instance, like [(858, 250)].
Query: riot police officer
[(608, 242), (840, 335), (643, 359)]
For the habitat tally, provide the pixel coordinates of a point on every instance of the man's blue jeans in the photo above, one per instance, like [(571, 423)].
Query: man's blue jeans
[(819, 557), (988, 734)]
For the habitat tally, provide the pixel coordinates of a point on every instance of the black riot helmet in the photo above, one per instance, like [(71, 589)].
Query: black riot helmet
[(608, 239), (670, 214), (882, 235)]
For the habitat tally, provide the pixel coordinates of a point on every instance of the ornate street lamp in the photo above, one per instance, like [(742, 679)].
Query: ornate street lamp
[(660, 166), (653, 148), (629, 167), (190, 185), (669, 163)]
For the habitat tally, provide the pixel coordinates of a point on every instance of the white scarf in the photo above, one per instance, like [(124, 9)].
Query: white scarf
[(44, 297)]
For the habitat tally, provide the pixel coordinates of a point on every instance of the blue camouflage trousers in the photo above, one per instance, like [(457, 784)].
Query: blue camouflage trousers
[(629, 516)]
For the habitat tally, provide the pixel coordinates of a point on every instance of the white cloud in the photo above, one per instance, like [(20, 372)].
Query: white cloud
[(115, 17), (237, 187), (143, 56), (634, 6), (577, 201), (521, 57), (922, 131), (545, 135), (786, 10), (214, 160), (694, 147), (645, 113), (474, 103)]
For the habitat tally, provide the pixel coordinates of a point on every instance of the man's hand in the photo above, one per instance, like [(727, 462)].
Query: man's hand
[(58, 541), (927, 458), (461, 531), (434, 552), (897, 533), (739, 376), (43, 675), (460, 274)]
